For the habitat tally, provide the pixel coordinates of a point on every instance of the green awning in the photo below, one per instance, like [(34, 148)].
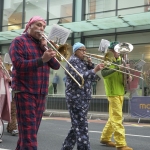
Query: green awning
[(124, 21)]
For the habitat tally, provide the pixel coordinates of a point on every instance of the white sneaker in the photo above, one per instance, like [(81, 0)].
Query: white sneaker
[(14, 132), (0, 140)]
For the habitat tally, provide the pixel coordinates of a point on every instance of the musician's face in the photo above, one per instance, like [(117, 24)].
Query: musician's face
[(116, 55), (37, 26), (81, 52)]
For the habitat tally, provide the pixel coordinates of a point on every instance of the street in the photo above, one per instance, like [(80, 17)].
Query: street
[(53, 131)]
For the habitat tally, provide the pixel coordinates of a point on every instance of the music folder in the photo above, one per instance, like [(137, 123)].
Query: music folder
[(59, 34), (103, 46)]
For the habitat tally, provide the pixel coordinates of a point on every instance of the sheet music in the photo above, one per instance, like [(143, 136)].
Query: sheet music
[(7, 59), (103, 46), (59, 34)]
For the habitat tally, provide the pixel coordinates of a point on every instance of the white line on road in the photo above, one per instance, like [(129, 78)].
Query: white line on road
[(126, 134)]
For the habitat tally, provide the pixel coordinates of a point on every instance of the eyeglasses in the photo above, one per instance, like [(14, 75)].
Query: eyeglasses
[(83, 50)]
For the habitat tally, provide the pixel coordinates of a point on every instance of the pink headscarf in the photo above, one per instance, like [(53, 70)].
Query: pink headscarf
[(32, 20)]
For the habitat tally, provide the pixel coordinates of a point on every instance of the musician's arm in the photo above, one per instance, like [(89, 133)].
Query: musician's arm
[(18, 54), (87, 74), (90, 66), (53, 64), (106, 72)]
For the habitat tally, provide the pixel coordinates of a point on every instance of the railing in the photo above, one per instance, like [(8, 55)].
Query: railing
[(99, 105)]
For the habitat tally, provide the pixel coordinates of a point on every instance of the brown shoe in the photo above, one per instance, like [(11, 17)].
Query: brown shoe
[(124, 148), (108, 143)]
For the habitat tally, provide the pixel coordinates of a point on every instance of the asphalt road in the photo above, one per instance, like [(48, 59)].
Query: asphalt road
[(53, 131)]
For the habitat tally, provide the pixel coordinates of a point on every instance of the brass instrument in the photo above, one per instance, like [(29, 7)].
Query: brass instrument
[(107, 60), (63, 50), (6, 66), (4, 69), (61, 55), (123, 49), (7, 62)]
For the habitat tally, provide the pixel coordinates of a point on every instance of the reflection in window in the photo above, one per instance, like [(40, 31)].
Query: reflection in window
[(147, 8), (62, 10), (96, 8), (35, 8), (95, 41), (12, 15), (4, 49), (128, 3)]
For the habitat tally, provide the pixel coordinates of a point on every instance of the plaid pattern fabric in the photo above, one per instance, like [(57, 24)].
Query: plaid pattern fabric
[(27, 76), (29, 113)]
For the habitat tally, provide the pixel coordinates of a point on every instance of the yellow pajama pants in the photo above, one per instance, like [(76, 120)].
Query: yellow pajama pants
[(114, 123)]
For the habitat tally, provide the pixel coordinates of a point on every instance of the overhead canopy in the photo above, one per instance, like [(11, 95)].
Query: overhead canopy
[(132, 20)]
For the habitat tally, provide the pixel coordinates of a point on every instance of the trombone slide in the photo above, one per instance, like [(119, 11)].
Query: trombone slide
[(54, 48), (108, 63)]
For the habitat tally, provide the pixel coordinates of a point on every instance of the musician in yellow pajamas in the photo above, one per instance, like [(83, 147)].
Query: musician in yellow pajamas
[(114, 88)]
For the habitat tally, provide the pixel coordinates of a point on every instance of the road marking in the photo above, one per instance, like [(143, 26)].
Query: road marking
[(125, 134), (99, 121)]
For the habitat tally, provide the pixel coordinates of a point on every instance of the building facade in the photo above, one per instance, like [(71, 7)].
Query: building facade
[(90, 21)]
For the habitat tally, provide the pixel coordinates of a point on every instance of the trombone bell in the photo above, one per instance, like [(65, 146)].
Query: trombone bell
[(63, 50)]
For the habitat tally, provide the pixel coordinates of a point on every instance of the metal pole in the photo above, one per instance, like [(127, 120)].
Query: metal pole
[(142, 80)]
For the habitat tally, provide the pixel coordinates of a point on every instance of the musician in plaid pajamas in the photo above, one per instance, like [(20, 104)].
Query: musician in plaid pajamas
[(30, 79)]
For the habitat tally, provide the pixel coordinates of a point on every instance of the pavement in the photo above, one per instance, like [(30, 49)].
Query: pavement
[(95, 115), (53, 131)]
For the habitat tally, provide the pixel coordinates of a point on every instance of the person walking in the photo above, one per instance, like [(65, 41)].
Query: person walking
[(55, 82), (5, 106), (114, 88), (94, 84), (78, 99), (30, 79)]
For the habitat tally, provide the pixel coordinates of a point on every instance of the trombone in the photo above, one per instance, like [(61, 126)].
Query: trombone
[(107, 60), (62, 49), (5, 71)]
